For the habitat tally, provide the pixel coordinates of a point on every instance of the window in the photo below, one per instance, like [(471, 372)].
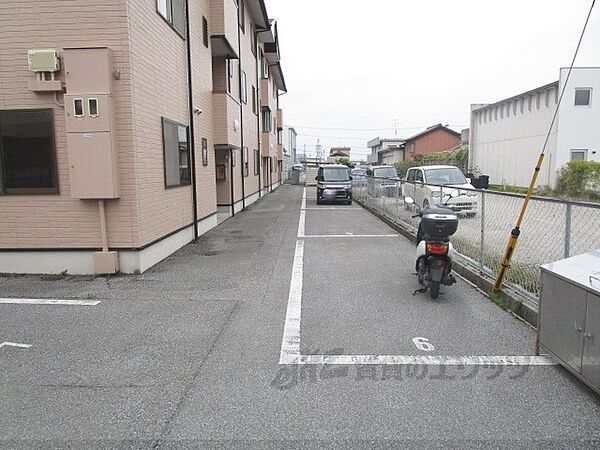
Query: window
[(267, 121), (176, 153), (233, 157), (548, 97), (253, 39), (280, 137), (244, 93), (583, 96), (27, 152), (229, 74), (256, 162), (242, 16), (579, 155), (78, 107), (93, 107), (411, 175), (173, 11), (418, 176), (264, 68), (254, 101), (245, 162), (204, 152), (205, 31)]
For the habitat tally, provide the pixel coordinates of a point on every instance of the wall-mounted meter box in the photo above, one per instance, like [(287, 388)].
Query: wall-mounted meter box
[(43, 60), (90, 123)]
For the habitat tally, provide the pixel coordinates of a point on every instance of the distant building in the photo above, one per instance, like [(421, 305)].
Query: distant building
[(435, 139), (507, 137), (385, 151), (289, 147), (336, 153)]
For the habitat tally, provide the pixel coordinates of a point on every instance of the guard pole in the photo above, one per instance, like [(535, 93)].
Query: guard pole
[(514, 234)]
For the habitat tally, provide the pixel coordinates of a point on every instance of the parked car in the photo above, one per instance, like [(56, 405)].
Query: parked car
[(383, 181), (429, 185), (359, 177), (334, 184)]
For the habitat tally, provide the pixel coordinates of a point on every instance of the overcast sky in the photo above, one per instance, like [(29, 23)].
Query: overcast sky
[(353, 65)]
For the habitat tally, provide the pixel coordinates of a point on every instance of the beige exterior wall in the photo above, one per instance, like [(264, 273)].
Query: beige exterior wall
[(151, 58), (59, 221)]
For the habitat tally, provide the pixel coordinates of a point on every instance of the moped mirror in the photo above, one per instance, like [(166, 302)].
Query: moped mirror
[(350, 178), (409, 200)]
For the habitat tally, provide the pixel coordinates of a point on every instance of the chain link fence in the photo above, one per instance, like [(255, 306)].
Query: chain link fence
[(552, 229)]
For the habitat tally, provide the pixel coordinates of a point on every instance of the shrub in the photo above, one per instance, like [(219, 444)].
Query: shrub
[(580, 179)]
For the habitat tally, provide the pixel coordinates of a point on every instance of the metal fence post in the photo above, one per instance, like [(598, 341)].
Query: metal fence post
[(482, 242), (567, 251)]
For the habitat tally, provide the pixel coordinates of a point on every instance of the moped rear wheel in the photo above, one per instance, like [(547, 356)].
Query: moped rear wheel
[(434, 289)]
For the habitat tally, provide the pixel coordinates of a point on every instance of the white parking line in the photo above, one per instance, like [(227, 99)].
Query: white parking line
[(15, 344), (350, 235), (290, 343), (423, 360), (47, 301)]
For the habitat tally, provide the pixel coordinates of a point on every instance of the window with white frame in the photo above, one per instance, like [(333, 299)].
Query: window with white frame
[(173, 11), (245, 162), (176, 153), (579, 154), (244, 93), (583, 96), (256, 162)]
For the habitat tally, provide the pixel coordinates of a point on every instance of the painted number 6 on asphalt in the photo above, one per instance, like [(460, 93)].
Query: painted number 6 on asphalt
[(423, 344)]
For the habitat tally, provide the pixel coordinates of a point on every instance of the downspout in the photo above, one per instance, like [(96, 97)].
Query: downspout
[(231, 150), (258, 116), (191, 113), (242, 164)]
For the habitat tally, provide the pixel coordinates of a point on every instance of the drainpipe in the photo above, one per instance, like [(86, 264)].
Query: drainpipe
[(258, 118), (103, 232), (242, 111), (191, 119), (231, 150)]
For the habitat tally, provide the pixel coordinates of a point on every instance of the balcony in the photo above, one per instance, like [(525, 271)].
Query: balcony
[(267, 144), (224, 28), (266, 93), (226, 119), (280, 119)]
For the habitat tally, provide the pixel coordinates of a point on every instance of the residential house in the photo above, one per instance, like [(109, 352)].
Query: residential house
[(385, 151), (507, 136), (125, 133), (336, 153), (435, 139)]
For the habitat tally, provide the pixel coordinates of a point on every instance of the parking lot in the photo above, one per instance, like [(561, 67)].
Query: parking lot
[(289, 325)]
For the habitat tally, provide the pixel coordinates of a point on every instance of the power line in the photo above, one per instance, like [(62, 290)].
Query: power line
[(372, 129)]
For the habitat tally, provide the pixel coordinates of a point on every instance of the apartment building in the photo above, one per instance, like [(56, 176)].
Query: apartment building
[(289, 147), (129, 127), (507, 136)]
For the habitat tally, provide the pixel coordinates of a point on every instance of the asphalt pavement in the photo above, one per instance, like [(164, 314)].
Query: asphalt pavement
[(187, 355)]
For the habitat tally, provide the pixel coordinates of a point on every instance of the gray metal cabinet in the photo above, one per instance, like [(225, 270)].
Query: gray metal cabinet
[(591, 342), (569, 318)]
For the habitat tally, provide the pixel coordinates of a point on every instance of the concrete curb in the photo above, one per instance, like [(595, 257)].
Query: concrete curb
[(512, 301)]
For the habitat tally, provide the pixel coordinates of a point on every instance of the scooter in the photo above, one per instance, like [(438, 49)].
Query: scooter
[(434, 249)]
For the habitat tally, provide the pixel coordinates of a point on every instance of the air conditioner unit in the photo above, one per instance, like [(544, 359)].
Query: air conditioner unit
[(43, 60)]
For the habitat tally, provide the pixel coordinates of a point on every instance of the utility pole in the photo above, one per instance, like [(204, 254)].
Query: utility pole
[(319, 150), (396, 122)]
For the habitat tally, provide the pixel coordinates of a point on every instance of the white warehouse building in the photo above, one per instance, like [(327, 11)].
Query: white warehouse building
[(507, 137)]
